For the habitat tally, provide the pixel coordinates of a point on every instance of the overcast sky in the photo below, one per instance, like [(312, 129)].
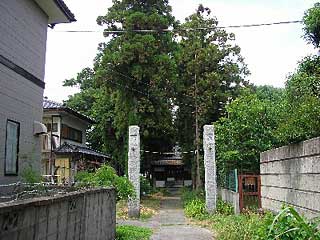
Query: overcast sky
[(271, 52)]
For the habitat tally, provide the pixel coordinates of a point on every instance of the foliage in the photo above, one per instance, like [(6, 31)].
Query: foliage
[(106, 176), (149, 206), (224, 208), (145, 186), (196, 208), (211, 72), (188, 195), (249, 226), (31, 176), (301, 108), (311, 22), (288, 224), (128, 232), (248, 129)]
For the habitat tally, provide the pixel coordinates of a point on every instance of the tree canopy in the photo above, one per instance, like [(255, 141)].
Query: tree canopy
[(311, 22)]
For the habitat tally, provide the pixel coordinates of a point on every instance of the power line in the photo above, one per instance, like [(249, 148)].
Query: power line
[(140, 92), (147, 84), (181, 29)]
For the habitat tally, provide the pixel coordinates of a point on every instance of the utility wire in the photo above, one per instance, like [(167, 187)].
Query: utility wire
[(181, 29), (146, 84), (138, 91)]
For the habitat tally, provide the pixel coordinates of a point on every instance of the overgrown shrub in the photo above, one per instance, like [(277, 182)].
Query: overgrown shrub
[(196, 208), (129, 232), (106, 176), (224, 208), (249, 226), (145, 186), (31, 176)]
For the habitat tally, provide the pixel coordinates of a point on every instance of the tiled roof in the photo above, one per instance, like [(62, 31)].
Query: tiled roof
[(71, 148), (52, 105)]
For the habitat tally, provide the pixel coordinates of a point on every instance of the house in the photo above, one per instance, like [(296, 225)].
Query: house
[(64, 149), (23, 34)]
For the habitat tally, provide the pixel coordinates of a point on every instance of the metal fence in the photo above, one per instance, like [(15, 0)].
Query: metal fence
[(229, 180)]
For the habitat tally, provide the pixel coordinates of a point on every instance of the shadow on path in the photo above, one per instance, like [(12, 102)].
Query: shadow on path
[(170, 223)]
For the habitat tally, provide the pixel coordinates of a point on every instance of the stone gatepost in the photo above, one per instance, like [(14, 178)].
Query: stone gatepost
[(210, 168), (134, 170)]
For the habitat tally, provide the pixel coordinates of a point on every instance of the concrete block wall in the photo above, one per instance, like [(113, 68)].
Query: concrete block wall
[(291, 175), (85, 215), (230, 197)]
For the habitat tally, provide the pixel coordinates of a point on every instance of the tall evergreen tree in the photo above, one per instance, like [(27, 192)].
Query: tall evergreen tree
[(211, 72), (137, 70)]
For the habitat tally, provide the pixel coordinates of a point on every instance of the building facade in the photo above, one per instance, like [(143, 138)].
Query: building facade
[(23, 35), (64, 149)]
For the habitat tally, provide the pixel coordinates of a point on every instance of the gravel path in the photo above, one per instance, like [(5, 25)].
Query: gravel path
[(171, 223)]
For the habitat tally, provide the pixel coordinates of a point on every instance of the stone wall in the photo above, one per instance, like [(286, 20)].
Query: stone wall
[(85, 215), (230, 197), (291, 174)]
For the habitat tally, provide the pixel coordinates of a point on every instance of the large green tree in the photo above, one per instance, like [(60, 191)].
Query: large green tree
[(211, 72), (301, 115), (132, 78), (311, 27), (248, 129)]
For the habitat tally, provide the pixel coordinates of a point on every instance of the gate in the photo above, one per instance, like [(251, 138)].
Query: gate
[(249, 192)]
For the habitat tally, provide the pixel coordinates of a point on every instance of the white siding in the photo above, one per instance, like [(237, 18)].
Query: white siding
[(23, 28)]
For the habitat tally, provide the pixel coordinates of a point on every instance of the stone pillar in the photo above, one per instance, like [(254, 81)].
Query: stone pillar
[(134, 170), (210, 168)]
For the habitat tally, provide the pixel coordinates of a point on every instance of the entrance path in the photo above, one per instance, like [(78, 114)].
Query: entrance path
[(171, 223)]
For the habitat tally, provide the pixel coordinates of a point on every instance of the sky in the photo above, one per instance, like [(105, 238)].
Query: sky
[(271, 52)]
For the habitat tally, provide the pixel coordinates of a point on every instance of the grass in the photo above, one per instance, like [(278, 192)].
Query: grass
[(150, 206), (128, 232)]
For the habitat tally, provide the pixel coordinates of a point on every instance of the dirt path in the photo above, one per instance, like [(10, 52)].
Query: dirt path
[(171, 223)]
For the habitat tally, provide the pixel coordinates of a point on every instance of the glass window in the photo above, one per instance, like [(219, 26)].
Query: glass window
[(71, 133), (54, 127), (12, 148)]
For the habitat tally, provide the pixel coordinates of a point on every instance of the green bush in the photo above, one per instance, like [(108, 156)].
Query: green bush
[(241, 227), (196, 209), (187, 195), (224, 208), (106, 176), (132, 233), (145, 186), (31, 176)]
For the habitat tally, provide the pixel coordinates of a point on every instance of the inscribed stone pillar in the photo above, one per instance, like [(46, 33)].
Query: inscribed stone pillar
[(210, 168), (134, 170)]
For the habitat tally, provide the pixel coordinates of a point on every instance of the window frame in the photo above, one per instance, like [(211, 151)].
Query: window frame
[(68, 133), (18, 148)]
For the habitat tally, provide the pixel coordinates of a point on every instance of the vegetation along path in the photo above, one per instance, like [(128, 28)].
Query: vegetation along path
[(171, 223)]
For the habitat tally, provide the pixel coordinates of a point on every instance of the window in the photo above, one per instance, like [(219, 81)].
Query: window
[(71, 133), (12, 148), (54, 127)]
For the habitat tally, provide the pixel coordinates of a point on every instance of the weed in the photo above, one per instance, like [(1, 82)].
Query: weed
[(129, 232)]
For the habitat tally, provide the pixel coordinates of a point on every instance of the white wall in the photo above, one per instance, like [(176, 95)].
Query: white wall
[(23, 28)]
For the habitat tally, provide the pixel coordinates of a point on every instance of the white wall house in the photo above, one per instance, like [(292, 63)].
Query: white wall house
[(23, 35), (64, 149)]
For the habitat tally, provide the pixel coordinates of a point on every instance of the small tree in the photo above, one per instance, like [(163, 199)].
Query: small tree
[(311, 22)]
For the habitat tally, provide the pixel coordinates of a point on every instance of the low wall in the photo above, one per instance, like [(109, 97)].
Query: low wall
[(291, 175), (230, 197), (85, 215)]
